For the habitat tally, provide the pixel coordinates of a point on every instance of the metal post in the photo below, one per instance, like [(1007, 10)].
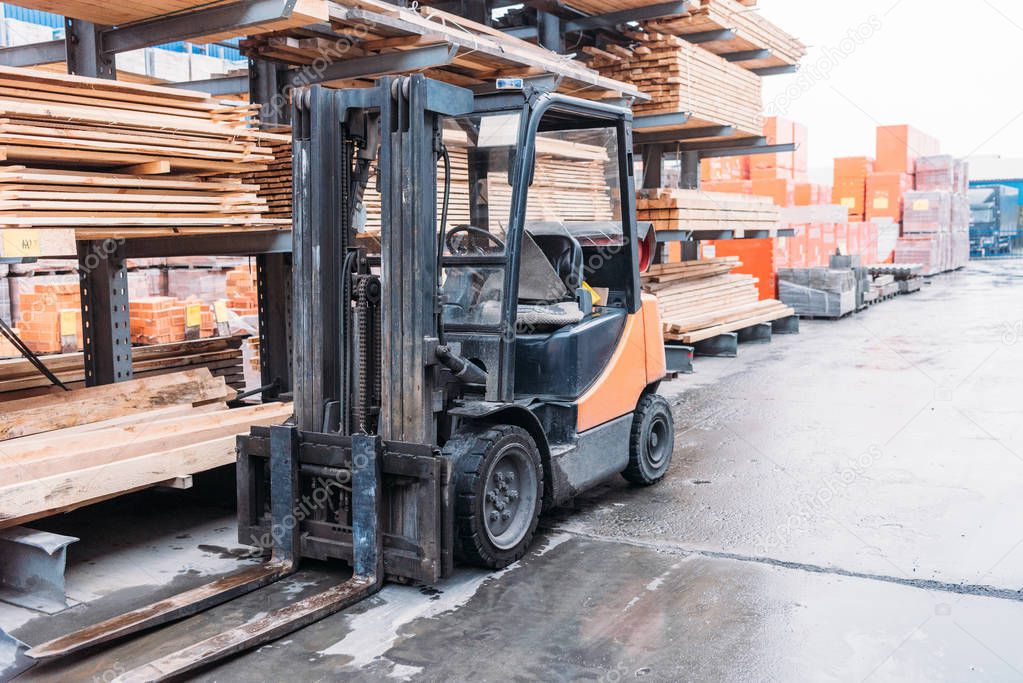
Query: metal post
[(106, 336), (549, 35), (691, 170), (103, 276), (267, 82), (273, 271), (84, 48), (653, 156), (273, 291)]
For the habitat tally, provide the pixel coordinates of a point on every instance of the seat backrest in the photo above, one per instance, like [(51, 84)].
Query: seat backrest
[(566, 255)]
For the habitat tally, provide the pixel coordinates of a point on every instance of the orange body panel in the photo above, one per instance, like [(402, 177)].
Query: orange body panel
[(638, 361)]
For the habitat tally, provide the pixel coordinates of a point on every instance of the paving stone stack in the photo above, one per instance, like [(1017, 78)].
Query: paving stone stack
[(818, 292)]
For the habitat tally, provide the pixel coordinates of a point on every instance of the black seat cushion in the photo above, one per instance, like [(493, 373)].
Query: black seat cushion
[(566, 255)]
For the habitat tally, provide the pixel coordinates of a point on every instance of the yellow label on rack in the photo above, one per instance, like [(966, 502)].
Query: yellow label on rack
[(849, 202), (881, 202), (68, 322), (15, 243), (220, 310), (921, 205), (193, 315)]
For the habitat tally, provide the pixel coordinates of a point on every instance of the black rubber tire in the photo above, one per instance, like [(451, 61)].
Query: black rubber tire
[(473, 452), (648, 464)]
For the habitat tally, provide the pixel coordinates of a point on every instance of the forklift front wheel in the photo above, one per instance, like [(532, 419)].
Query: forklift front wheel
[(499, 490), (652, 441)]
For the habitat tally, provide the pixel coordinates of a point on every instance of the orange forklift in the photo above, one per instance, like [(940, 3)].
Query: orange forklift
[(475, 351)]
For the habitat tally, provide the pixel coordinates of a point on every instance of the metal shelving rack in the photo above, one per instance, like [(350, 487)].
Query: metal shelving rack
[(89, 50)]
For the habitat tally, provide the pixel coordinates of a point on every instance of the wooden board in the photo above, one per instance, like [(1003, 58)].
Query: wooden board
[(68, 409), (60, 481)]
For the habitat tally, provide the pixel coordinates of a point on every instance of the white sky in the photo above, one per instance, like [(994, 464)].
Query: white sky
[(947, 67)]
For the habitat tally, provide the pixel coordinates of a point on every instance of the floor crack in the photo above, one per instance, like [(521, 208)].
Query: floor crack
[(981, 590)]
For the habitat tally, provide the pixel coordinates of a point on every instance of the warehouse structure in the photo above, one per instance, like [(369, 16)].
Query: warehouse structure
[(158, 294)]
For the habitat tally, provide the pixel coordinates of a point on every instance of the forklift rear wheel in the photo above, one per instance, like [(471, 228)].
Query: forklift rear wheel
[(499, 490), (652, 441)]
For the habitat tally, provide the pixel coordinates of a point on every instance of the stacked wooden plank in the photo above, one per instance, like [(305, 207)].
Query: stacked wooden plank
[(682, 77), (750, 31), (477, 54), (65, 450), (274, 182), (120, 12), (703, 299), (115, 159), (222, 356), (708, 212)]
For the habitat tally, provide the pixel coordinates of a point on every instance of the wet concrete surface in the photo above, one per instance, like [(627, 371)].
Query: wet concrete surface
[(843, 505)]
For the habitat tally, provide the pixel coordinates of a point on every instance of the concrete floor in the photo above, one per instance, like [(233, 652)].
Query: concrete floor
[(842, 505)]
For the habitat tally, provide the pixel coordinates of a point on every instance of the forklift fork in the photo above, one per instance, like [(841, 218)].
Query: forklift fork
[(367, 579)]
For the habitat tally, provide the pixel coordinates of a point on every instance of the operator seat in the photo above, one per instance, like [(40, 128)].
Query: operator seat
[(565, 255), (548, 279)]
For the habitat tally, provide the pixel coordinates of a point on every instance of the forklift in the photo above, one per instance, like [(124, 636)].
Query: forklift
[(456, 381)]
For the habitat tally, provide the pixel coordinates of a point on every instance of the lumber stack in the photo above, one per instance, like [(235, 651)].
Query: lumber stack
[(479, 54), (113, 159), (222, 356), (703, 299), (70, 449), (750, 31), (120, 12), (703, 212), (274, 181), (682, 77)]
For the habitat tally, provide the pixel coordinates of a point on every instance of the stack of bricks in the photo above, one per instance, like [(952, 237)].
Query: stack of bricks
[(782, 176), (850, 188), (47, 312), (242, 296), (157, 320)]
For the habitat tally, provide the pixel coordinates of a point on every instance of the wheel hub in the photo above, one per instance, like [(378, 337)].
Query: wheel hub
[(509, 498)]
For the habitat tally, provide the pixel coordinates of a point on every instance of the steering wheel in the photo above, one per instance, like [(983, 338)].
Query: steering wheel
[(462, 249)]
